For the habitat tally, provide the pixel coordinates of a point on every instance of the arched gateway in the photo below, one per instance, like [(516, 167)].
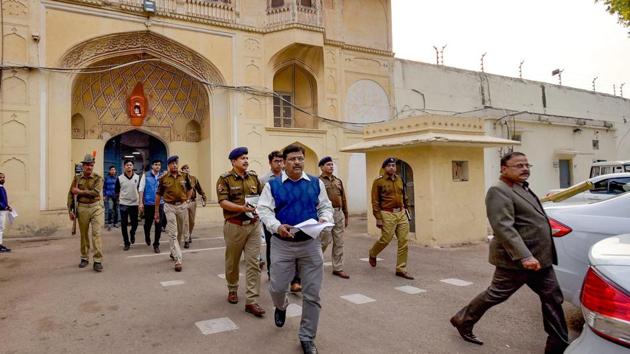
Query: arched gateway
[(142, 96)]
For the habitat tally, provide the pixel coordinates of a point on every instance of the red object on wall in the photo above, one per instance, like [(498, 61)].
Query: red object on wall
[(137, 105)]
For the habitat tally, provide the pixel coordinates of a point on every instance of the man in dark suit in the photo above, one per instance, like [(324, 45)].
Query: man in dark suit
[(522, 251)]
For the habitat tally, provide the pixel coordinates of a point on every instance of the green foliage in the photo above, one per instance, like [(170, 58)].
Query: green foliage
[(621, 8)]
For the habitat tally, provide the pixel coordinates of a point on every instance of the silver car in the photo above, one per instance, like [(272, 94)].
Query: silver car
[(606, 299), (576, 228)]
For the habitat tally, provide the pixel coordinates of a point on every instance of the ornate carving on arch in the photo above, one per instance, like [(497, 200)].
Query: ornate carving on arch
[(141, 42)]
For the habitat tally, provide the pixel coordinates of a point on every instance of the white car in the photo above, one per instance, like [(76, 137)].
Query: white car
[(604, 187), (575, 228), (606, 300)]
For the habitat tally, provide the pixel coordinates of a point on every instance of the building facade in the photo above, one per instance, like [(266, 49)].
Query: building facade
[(142, 80)]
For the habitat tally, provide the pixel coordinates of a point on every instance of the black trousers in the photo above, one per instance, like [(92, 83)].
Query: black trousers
[(506, 282), (268, 235), (149, 211), (126, 212)]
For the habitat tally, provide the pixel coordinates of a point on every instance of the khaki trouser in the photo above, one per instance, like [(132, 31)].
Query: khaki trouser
[(394, 224), (335, 234), (192, 210), (91, 214), (176, 227), (239, 238)]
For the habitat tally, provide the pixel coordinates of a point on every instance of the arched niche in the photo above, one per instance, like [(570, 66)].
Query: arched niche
[(366, 102)]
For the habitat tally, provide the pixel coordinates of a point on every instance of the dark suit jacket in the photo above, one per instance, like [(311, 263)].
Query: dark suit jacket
[(521, 227)]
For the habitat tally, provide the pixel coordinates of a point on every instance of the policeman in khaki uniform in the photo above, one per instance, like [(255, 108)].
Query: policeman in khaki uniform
[(241, 230), (175, 189), (192, 208), (388, 205), (337, 196), (88, 187)]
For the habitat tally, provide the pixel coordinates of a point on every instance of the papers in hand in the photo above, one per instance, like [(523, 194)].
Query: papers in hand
[(251, 200), (12, 215), (310, 227)]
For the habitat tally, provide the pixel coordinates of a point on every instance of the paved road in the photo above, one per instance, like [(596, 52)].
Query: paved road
[(48, 305)]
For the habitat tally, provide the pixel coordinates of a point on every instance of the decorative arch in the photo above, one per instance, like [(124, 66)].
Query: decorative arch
[(142, 42), (16, 174), (297, 85), (78, 126), (193, 131), (366, 102)]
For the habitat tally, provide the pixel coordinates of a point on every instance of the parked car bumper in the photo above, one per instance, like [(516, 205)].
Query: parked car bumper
[(590, 343)]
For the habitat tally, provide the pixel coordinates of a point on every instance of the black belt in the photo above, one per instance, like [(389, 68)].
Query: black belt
[(298, 237)]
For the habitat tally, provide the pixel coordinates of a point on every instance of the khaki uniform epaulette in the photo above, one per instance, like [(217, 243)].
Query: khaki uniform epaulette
[(226, 174), (252, 172), (379, 177)]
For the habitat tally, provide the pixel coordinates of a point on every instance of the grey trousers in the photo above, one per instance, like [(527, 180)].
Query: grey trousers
[(310, 262)]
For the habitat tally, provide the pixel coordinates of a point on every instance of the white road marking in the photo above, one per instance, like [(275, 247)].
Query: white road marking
[(172, 283), (165, 253), (412, 290), (216, 325), (222, 276), (367, 259), (327, 264), (456, 282), (294, 310), (357, 298)]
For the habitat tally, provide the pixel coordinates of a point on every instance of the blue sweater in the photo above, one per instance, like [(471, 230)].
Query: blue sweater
[(4, 201), (296, 201)]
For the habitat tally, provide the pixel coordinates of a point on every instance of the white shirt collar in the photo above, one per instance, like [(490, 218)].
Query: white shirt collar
[(285, 176)]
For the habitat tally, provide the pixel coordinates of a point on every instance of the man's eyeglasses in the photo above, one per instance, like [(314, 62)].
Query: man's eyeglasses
[(296, 159), (521, 166)]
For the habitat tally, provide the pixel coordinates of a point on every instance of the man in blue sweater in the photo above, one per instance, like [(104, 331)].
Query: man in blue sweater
[(288, 200), (111, 198), (5, 208)]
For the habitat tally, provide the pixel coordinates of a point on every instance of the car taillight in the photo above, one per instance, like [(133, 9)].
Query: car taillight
[(606, 308), (558, 229)]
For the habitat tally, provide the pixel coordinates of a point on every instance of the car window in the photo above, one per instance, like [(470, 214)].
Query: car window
[(611, 186), (606, 170), (616, 186), (595, 171), (627, 167)]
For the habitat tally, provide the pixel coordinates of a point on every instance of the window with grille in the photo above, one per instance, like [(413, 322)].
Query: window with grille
[(306, 3), (282, 110)]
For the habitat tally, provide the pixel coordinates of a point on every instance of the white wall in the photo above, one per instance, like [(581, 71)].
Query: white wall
[(445, 90)]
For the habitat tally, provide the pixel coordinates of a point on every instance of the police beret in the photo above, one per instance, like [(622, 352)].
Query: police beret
[(88, 158), (388, 161), (324, 161), (238, 152), (173, 158)]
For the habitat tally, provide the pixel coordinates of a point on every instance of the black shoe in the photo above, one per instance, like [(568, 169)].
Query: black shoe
[(279, 317), (466, 333), (4, 249), (186, 244), (98, 267), (156, 249), (133, 240), (126, 248), (84, 263), (308, 347), (148, 241)]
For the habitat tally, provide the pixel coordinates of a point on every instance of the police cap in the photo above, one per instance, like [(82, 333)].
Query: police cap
[(238, 152), (324, 161), (388, 161)]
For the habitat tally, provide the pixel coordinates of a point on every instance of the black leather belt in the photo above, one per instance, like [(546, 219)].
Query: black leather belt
[(298, 237)]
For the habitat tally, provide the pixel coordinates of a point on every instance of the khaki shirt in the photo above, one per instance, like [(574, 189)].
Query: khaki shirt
[(93, 186), (234, 188), (387, 193), (196, 188), (174, 189), (336, 192)]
